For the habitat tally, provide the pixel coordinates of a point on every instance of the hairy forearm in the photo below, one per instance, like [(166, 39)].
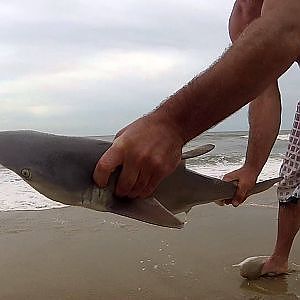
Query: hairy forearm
[(264, 121), (262, 53)]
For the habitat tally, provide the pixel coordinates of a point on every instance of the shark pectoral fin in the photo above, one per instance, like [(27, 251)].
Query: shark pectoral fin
[(197, 151), (264, 185), (147, 210)]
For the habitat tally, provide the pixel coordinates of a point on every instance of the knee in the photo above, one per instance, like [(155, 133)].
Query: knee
[(249, 9), (243, 13)]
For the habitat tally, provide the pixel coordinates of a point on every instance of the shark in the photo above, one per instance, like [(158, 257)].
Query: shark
[(61, 168)]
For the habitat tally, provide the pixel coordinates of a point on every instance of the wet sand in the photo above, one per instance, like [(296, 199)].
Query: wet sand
[(74, 253)]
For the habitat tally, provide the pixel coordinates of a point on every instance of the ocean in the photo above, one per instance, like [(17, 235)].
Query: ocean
[(228, 155)]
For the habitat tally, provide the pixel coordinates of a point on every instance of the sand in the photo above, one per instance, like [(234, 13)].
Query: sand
[(75, 253)]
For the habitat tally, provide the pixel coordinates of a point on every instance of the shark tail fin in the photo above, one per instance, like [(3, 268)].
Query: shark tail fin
[(264, 185), (197, 151), (147, 210)]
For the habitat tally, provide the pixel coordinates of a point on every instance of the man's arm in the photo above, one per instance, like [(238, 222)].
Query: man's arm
[(264, 112), (264, 51), (264, 121)]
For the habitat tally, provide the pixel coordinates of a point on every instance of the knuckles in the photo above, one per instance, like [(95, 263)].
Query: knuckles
[(158, 164), (155, 163), (126, 184), (102, 166), (147, 192), (140, 157), (141, 184)]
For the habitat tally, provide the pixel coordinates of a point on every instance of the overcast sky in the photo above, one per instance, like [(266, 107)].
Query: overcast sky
[(93, 66)]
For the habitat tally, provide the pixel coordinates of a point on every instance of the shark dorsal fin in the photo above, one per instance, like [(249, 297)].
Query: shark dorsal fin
[(198, 151)]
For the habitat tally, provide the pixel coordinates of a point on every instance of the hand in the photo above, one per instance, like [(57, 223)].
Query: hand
[(148, 150), (246, 177)]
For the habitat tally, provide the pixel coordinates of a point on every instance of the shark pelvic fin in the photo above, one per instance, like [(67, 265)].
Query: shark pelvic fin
[(197, 151), (147, 210)]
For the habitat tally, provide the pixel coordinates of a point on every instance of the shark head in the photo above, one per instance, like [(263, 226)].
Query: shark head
[(61, 168), (45, 164), (19, 154)]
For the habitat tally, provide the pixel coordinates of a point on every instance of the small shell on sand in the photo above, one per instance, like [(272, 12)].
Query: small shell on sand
[(251, 268)]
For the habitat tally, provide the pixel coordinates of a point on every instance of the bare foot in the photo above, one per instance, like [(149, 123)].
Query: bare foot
[(251, 267), (254, 267), (274, 266)]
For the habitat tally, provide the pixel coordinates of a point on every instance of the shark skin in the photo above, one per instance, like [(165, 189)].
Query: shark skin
[(61, 168)]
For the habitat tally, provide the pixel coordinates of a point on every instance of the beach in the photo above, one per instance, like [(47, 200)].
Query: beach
[(76, 253), (49, 251)]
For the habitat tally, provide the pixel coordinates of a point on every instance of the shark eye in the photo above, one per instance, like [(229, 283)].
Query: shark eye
[(26, 173)]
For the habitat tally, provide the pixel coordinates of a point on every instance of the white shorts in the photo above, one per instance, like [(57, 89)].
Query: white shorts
[(289, 188)]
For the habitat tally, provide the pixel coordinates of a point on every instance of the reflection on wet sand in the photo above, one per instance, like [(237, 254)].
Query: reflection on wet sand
[(284, 286)]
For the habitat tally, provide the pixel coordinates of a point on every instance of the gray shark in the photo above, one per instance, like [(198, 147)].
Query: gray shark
[(61, 168)]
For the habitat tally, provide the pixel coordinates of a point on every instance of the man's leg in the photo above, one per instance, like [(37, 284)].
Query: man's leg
[(288, 226), (288, 193)]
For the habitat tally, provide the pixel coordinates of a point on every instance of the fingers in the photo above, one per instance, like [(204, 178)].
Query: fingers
[(140, 173), (160, 171), (127, 179), (141, 184), (109, 161), (149, 189), (240, 195), (243, 186), (230, 177), (143, 149), (150, 172)]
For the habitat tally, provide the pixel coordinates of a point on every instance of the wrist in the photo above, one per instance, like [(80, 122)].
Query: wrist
[(252, 168), (164, 120)]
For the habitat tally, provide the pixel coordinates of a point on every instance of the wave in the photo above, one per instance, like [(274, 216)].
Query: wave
[(218, 159), (218, 170), (281, 137), (15, 194)]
